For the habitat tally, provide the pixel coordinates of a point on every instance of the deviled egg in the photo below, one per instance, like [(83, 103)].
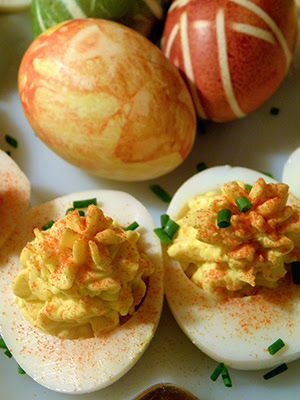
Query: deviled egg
[(228, 283), (81, 294), (14, 195)]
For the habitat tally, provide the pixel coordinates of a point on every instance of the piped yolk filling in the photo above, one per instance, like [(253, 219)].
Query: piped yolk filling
[(252, 251), (83, 276)]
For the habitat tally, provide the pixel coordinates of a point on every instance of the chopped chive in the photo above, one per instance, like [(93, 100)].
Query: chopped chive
[(2, 344), (11, 141), (132, 226), (161, 193), (84, 203), (21, 370), (171, 228), (224, 217), (8, 353), (201, 166), (295, 267), (162, 235), (249, 187), (276, 346), (276, 371), (226, 377), (243, 203), (274, 111), (8, 153), (217, 372), (80, 212), (164, 218), (268, 174), (47, 225)]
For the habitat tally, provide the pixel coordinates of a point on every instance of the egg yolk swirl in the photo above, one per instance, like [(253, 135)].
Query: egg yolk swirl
[(82, 277), (252, 251)]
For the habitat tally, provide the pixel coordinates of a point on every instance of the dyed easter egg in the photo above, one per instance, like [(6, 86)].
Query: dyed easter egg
[(233, 53), (107, 100), (140, 15)]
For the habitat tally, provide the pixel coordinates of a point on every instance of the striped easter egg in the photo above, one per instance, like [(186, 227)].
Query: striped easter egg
[(233, 53), (140, 15)]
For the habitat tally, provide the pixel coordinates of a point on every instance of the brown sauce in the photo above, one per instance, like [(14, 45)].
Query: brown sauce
[(165, 392)]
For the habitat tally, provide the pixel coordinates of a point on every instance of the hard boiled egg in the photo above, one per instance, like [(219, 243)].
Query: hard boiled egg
[(80, 365), (290, 174), (232, 53), (14, 5), (14, 195), (237, 330), (107, 100)]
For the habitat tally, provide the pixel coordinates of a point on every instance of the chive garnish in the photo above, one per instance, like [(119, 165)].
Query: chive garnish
[(249, 187), (21, 370), (171, 228), (84, 203), (226, 377), (162, 235), (274, 111), (164, 218), (276, 346), (295, 267), (243, 203), (2, 344), (47, 225), (201, 166), (11, 141), (276, 371), (80, 212), (132, 226), (8, 353), (224, 217), (268, 174), (161, 193), (217, 372)]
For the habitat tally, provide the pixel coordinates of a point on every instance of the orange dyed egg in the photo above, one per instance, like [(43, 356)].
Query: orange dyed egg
[(233, 53), (107, 100)]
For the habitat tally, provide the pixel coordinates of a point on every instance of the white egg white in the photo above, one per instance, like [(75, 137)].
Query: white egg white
[(239, 330), (82, 365), (291, 172), (14, 5), (14, 195)]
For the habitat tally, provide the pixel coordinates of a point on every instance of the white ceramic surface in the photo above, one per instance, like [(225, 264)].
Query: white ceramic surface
[(260, 141)]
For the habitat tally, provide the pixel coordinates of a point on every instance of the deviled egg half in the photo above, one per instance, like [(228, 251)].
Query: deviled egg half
[(14, 195), (81, 290), (228, 281)]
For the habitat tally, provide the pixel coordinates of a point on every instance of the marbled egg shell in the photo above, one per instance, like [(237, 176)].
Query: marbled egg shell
[(233, 53), (107, 100)]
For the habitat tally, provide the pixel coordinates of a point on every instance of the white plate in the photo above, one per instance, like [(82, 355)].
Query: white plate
[(260, 141)]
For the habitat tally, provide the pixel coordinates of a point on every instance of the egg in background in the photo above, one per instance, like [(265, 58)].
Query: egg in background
[(14, 5), (107, 100), (233, 54), (239, 330), (81, 365), (15, 191), (291, 172)]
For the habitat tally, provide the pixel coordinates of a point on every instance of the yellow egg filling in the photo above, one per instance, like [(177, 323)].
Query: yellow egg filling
[(252, 251), (83, 276)]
